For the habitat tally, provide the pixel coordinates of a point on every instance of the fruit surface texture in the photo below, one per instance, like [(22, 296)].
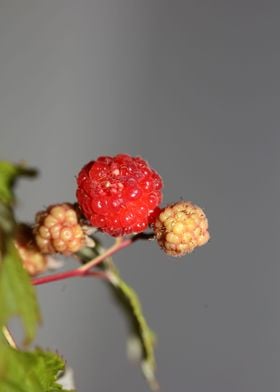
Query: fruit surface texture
[(119, 194), (57, 230), (180, 228)]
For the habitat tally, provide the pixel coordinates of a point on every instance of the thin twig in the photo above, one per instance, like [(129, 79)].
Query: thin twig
[(119, 244), (66, 275), (9, 337), (85, 270)]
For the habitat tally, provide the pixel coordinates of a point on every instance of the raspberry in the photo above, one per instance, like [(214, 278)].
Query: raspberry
[(33, 261), (181, 227), (119, 194), (58, 230)]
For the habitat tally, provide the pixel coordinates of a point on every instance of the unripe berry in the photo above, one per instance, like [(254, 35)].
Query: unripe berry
[(180, 228), (57, 230), (32, 259)]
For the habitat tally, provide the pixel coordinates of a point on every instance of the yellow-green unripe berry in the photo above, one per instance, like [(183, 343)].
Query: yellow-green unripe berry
[(57, 230), (180, 228)]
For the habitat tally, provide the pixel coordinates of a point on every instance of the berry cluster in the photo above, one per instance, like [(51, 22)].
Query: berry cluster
[(58, 230), (119, 194)]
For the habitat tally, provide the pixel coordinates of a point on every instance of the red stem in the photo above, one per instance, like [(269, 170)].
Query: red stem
[(85, 269), (54, 277), (65, 275)]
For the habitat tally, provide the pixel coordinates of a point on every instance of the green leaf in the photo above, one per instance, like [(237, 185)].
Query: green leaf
[(7, 222), (141, 343), (17, 295), (36, 371), (142, 339), (8, 175)]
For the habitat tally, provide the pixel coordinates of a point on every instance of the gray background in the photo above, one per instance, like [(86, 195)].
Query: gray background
[(193, 87)]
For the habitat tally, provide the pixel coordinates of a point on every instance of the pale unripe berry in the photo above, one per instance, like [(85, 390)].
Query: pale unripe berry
[(180, 228), (34, 262), (57, 230)]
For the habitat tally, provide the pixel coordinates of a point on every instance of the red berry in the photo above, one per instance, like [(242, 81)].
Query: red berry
[(119, 194)]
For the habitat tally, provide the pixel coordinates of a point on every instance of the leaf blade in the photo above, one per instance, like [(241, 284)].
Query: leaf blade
[(129, 301), (8, 175), (17, 295), (35, 371)]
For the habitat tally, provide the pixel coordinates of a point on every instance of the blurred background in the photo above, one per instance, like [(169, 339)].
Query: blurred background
[(193, 87)]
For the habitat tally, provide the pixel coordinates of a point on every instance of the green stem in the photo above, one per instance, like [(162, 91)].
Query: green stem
[(132, 306)]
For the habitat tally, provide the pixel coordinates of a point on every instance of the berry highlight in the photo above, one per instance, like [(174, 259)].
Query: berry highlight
[(119, 194)]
